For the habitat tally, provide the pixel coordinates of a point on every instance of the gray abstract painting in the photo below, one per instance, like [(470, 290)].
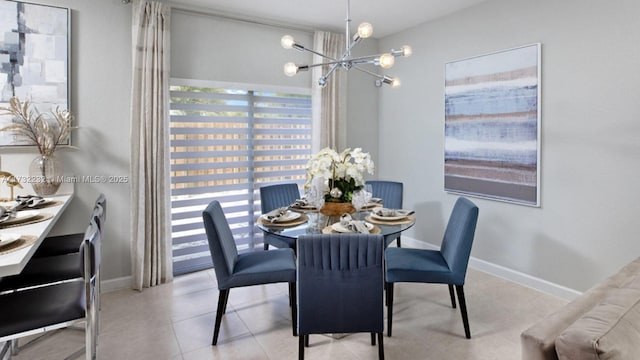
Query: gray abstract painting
[(492, 124), (34, 49)]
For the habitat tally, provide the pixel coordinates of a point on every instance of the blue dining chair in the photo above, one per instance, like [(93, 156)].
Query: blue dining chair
[(340, 286), (391, 194), (445, 266), (271, 198), (237, 270)]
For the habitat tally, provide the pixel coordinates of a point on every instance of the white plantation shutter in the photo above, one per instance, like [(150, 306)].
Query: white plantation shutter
[(227, 141)]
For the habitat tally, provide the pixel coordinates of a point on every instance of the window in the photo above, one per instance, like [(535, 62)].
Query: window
[(227, 140)]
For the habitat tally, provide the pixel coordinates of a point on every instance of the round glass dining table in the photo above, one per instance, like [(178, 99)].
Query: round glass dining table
[(318, 223)]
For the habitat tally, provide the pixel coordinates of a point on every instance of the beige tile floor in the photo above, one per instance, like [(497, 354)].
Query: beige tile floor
[(175, 321)]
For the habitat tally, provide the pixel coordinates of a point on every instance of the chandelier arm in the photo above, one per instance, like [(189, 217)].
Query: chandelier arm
[(333, 63), (302, 48), (365, 58), (333, 68)]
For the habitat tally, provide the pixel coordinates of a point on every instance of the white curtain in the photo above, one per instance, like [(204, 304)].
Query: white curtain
[(329, 105), (150, 203)]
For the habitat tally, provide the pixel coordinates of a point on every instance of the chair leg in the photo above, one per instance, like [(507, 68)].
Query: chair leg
[(398, 242), (380, 347), (301, 346), (294, 308), (306, 340), (222, 300), (15, 348), (225, 302), (463, 310), (266, 246), (453, 296), (389, 287), (373, 339)]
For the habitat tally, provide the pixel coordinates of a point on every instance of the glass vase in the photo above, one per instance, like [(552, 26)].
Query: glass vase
[(45, 172)]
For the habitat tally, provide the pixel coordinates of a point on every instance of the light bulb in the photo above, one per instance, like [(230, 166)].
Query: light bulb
[(395, 82), (387, 61), (365, 30), (287, 41), (406, 50), (290, 69)]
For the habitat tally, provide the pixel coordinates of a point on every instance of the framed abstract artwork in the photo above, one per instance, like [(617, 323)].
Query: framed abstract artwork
[(492, 126), (34, 59)]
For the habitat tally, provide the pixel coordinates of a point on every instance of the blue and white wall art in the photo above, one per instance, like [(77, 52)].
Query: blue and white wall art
[(492, 126), (34, 59)]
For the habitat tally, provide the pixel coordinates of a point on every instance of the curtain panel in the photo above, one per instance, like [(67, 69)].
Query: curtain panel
[(150, 200), (329, 103)]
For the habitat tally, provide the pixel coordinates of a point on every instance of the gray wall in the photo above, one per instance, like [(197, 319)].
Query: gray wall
[(207, 47), (586, 227), (100, 91)]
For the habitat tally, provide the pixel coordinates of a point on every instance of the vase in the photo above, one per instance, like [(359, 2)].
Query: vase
[(337, 208), (45, 174)]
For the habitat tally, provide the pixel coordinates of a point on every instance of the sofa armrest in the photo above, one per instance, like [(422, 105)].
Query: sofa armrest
[(610, 330)]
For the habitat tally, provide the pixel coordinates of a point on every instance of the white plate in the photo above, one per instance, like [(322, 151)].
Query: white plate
[(371, 205), (342, 229), (376, 200), (288, 216), (6, 239), (23, 215), (401, 214)]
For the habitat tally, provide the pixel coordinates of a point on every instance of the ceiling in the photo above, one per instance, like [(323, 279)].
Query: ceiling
[(387, 17)]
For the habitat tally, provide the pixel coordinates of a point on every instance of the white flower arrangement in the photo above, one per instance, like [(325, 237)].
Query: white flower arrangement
[(344, 171)]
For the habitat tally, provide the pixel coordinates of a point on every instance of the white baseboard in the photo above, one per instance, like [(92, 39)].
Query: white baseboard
[(116, 284), (506, 273)]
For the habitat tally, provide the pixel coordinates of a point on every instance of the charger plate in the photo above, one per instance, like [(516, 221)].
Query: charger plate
[(330, 230), (300, 220), (406, 220), (22, 242), (25, 220)]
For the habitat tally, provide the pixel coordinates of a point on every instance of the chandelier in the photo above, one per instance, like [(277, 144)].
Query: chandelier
[(347, 62)]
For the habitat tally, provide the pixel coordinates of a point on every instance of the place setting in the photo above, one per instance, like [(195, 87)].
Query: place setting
[(347, 224), (384, 216), (35, 202), (13, 242), (302, 206), (282, 217), (21, 213), (372, 203)]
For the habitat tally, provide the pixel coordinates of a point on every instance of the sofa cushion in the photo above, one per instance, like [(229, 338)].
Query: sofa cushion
[(538, 341), (610, 330)]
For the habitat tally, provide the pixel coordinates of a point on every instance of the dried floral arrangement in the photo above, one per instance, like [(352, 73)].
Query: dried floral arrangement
[(38, 128)]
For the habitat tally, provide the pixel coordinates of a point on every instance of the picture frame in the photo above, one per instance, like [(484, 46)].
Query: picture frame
[(34, 60), (492, 125)]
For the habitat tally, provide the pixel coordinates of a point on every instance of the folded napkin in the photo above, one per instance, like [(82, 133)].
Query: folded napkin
[(384, 212), (275, 215), (6, 214), (300, 203), (27, 201), (356, 226)]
